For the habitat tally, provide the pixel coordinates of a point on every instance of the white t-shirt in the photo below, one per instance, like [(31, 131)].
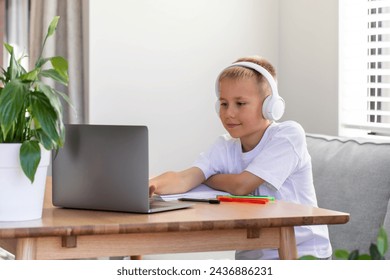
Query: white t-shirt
[(281, 159)]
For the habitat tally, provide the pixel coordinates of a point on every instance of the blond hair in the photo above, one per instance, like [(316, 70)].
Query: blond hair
[(239, 72)]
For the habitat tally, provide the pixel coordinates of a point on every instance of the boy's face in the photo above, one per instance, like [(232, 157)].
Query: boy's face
[(241, 110)]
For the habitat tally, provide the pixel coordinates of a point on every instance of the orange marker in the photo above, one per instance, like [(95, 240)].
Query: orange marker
[(247, 200)]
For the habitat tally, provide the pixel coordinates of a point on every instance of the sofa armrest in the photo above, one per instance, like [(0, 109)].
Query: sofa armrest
[(352, 175)]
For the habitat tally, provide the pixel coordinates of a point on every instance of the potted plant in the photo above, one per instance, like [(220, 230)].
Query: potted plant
[(31, 125)]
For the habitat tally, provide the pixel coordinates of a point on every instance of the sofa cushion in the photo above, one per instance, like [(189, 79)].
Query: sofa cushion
[(353, 176)]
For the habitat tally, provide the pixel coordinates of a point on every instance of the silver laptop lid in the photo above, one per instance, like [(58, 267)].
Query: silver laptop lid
[(103, 167)]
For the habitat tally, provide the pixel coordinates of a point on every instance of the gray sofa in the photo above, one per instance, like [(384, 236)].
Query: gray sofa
[(352, 175)]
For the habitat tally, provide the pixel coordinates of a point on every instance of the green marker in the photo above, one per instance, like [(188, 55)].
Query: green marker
[(271, 198)]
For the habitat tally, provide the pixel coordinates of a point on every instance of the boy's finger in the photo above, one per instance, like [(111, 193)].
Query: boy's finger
[(152, 189)]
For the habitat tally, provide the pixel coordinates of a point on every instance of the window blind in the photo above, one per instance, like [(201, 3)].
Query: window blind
[(364, 67)]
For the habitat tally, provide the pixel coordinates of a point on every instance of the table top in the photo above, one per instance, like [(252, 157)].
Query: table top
[(202, 216)]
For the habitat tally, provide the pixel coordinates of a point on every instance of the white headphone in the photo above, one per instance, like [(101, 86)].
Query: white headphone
[(274, 105)]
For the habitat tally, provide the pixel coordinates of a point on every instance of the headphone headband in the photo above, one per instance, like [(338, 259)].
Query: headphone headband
[(273, 106), (257, 68)]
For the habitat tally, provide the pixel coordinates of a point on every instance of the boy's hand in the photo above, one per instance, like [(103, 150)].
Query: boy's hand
[(176, 182), (163, 183), (152, 190)]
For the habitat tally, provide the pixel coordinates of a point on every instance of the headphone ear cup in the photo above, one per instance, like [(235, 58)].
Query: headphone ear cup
[(273, 107)]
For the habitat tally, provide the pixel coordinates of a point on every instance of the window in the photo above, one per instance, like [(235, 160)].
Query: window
[(364, 67)]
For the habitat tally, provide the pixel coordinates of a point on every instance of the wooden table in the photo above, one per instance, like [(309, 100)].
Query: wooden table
[(68, 234)]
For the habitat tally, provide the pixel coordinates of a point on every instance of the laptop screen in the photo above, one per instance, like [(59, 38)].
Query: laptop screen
[(103, 167)]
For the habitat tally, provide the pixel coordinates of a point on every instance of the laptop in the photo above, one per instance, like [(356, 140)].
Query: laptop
[(105, 167)]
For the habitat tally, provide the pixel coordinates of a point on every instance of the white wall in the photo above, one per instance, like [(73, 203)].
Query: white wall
[(155, 62), (308, 63)]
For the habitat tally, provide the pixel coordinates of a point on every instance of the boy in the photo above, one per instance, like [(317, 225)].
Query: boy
[(259, 156)]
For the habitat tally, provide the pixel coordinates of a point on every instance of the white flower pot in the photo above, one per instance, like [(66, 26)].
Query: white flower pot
[(19, 199)]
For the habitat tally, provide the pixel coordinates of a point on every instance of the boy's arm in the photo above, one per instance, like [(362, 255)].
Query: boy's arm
[(236, 184), (176, 182)]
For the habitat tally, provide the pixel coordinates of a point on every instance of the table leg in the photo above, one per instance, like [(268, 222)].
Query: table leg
[(288, 246), (26, 249)]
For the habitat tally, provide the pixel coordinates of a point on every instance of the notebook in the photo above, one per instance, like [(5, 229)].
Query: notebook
[(105, 167)]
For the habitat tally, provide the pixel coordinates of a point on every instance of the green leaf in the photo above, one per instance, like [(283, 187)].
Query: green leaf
[(364, 257), (40, 62), (66, 98), (9, 48), (353, 255), (43, 112), (54, 99), (382, 242), (21, 70), (374, 253), (342, 254), (30, 156), (50, 31), (52, 26), (308, 258), (12, 69), (60, 64), (11, 104), (53, 74), (44, 139), (30, 76), (53, 95)]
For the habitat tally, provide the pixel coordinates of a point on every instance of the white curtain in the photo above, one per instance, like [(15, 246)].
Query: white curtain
[(16, 28), (71, 42)]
